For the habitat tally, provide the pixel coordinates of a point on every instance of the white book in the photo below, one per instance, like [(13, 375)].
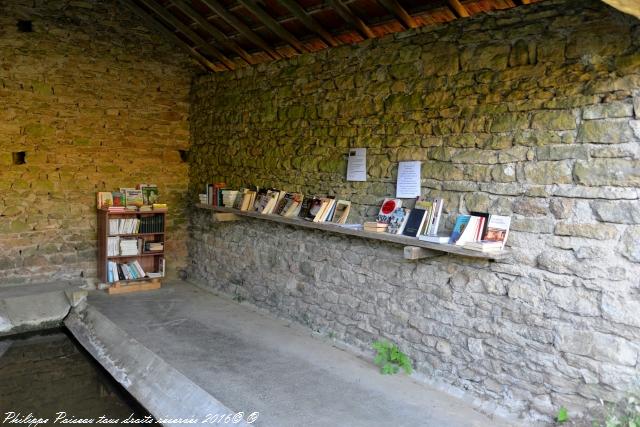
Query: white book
[(434, 239)]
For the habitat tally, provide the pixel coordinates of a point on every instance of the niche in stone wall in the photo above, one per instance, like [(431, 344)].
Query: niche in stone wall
[(19, 157)]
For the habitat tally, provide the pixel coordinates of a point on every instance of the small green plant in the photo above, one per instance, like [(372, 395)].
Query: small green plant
[(390, 358), (562, 416), (238, 298)]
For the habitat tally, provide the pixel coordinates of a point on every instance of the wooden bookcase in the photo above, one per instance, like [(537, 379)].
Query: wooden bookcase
[(149, 261)]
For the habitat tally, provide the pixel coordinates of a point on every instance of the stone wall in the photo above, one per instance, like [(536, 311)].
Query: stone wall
[(532, 112), (96, 102)]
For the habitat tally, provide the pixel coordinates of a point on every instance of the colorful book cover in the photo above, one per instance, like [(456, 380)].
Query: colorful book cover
[(118, 198), (134, 197), (387, 208), (397, 219), (150, 193), (458, 228), (497, 229)]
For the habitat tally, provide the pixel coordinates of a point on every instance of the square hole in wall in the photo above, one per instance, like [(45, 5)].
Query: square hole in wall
[(184, 155), (25, 26), (19, 157)]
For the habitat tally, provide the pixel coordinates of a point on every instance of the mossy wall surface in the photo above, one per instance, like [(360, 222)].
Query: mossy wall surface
[(532, 113), (96, 102)]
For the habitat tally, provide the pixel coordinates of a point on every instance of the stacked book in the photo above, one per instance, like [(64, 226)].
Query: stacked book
[(152, 224), (129, 247), (422, 221), (481, 232), (129, 271), (124, 226), (375, 226), (113, 246), (153, 246)]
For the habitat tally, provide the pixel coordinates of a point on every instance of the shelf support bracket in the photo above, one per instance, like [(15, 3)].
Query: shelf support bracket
[(223, 217), (415, 252)]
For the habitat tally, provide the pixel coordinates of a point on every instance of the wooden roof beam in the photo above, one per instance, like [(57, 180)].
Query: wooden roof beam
[(206, 47), (169, 35), (213, 31), (460, 10), (240, 27), (273, 25), (309, 21), (399, 12), (351, 18)]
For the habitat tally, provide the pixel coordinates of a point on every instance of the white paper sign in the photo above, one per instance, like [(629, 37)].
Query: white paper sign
[(357, 165), (408, 185)]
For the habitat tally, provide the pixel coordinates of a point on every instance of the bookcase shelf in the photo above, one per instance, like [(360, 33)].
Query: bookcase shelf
[(149, 261), (385, 237), (134, 234)]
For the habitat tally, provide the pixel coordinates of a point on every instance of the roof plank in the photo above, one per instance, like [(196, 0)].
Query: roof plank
[(351, 18), (309, 21), (399, 12), (240, 27), (169, 35), (273, 25), (460, 10), (213, 31), (195, 38)]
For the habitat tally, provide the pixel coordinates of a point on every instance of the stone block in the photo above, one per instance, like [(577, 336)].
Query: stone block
[(553, 120), (611, 131), (616, 109), (485, 56), (589, 231), (548, 172), (614, 172), (630, 243), (603, 347), (621, 308), (562, 152), (575, 300), (618, 211)]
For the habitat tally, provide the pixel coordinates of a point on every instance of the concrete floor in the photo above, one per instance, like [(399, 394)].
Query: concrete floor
[(250, 362)]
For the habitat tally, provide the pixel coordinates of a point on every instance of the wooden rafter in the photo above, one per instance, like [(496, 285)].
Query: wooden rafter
[(399, 12), (351, 18), (188, 32), (211, 30), (460, 10), (273, 25), (309, 21), (240, 27), (169, 35)]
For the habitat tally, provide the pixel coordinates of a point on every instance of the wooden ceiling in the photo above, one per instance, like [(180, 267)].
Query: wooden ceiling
[(224, 35)]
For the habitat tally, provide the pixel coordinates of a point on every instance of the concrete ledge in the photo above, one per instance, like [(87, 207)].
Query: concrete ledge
[(33, 307), (161, 389)]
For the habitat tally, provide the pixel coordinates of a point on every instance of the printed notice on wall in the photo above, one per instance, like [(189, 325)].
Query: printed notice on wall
[(408, 185), (357, 165)]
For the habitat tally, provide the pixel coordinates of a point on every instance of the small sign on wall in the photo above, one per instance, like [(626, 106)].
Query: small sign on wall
[(357, 165), (408, 184)]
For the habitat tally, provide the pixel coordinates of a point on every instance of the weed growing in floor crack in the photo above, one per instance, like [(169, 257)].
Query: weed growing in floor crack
[(238, 298), (390, 358)]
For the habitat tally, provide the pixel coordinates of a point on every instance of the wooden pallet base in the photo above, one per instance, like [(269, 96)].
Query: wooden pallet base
[(124, 288)]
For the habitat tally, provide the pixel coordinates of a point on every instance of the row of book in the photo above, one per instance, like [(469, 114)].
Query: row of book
[(117, 246), (421, 221), (146, 224), (287, 204), (477, 231), (124, 226), (130, 271), (481, 232), (133, 198)]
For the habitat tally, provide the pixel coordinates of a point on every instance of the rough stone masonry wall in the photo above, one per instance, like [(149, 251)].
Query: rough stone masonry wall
[(97, 103), (533, 113)]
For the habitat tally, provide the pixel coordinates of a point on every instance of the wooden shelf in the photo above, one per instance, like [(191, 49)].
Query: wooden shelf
[(385, 237), (137, 255), (156, 212), (134, 234)]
